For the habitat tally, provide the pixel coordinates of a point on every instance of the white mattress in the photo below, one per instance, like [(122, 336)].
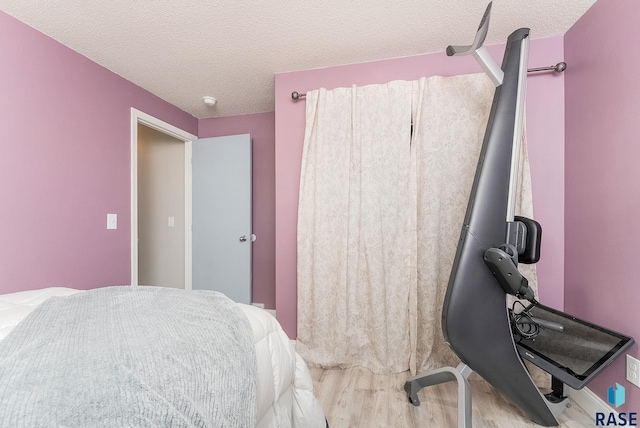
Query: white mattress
[(284, 387)]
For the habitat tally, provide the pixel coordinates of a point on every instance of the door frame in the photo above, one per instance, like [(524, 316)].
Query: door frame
[(140, 118)]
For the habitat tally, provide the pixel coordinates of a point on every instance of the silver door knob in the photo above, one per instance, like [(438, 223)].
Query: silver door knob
[(243, 238)]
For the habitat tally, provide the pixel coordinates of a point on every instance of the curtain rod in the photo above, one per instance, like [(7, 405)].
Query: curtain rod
[(558, 68)]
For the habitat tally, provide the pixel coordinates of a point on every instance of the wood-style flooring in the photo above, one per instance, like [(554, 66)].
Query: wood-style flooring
[(355, 397)]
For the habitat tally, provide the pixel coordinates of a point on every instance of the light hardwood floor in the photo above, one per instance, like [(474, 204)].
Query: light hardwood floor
[(355, 397)]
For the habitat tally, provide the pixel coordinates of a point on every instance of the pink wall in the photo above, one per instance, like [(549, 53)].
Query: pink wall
[(603, 178), (261, 126), (65, 163), (545, 123)]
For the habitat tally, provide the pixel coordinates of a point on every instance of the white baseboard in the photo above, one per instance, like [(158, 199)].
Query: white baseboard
[(261, 306), (590, 402)]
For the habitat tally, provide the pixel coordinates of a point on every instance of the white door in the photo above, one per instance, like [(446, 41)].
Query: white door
[(222, 216)]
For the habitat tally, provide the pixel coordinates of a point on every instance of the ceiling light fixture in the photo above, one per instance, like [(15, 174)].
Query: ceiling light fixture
[(210, 101)]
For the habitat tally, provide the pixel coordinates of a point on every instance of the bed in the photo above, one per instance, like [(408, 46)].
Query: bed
[(275, 392)]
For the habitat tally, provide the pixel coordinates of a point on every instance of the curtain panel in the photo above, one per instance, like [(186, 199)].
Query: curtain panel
[(386, 175)]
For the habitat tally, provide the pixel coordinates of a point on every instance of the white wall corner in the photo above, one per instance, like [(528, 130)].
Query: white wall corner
[(590, 402)]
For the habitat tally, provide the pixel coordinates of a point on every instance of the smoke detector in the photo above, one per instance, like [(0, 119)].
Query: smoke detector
[(209, 101)]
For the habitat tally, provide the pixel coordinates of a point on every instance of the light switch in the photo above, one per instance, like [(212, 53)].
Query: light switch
[(112, 221), (171, 222)]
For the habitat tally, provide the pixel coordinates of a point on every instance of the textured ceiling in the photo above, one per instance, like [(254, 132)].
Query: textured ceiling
[(181, 50)]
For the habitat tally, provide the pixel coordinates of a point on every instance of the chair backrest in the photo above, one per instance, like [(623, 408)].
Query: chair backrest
[(475, 320)]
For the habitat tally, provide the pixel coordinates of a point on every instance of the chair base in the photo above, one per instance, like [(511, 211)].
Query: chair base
[(556, 401), (445, 374)]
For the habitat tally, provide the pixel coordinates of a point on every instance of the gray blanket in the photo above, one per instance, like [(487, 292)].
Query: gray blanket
[(130, 357)]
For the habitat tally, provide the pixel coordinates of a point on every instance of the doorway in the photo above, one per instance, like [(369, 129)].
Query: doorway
[(161, 210), (166, 214)]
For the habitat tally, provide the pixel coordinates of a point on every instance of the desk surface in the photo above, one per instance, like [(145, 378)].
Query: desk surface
[(576, 354)]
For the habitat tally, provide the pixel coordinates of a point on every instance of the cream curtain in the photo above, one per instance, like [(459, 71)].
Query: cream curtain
[(353, 228), (379, 217)]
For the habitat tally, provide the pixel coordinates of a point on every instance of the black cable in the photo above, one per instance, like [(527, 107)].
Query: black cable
[(522, 322)]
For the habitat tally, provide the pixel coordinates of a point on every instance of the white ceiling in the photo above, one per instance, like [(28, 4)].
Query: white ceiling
[(181, 50)]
